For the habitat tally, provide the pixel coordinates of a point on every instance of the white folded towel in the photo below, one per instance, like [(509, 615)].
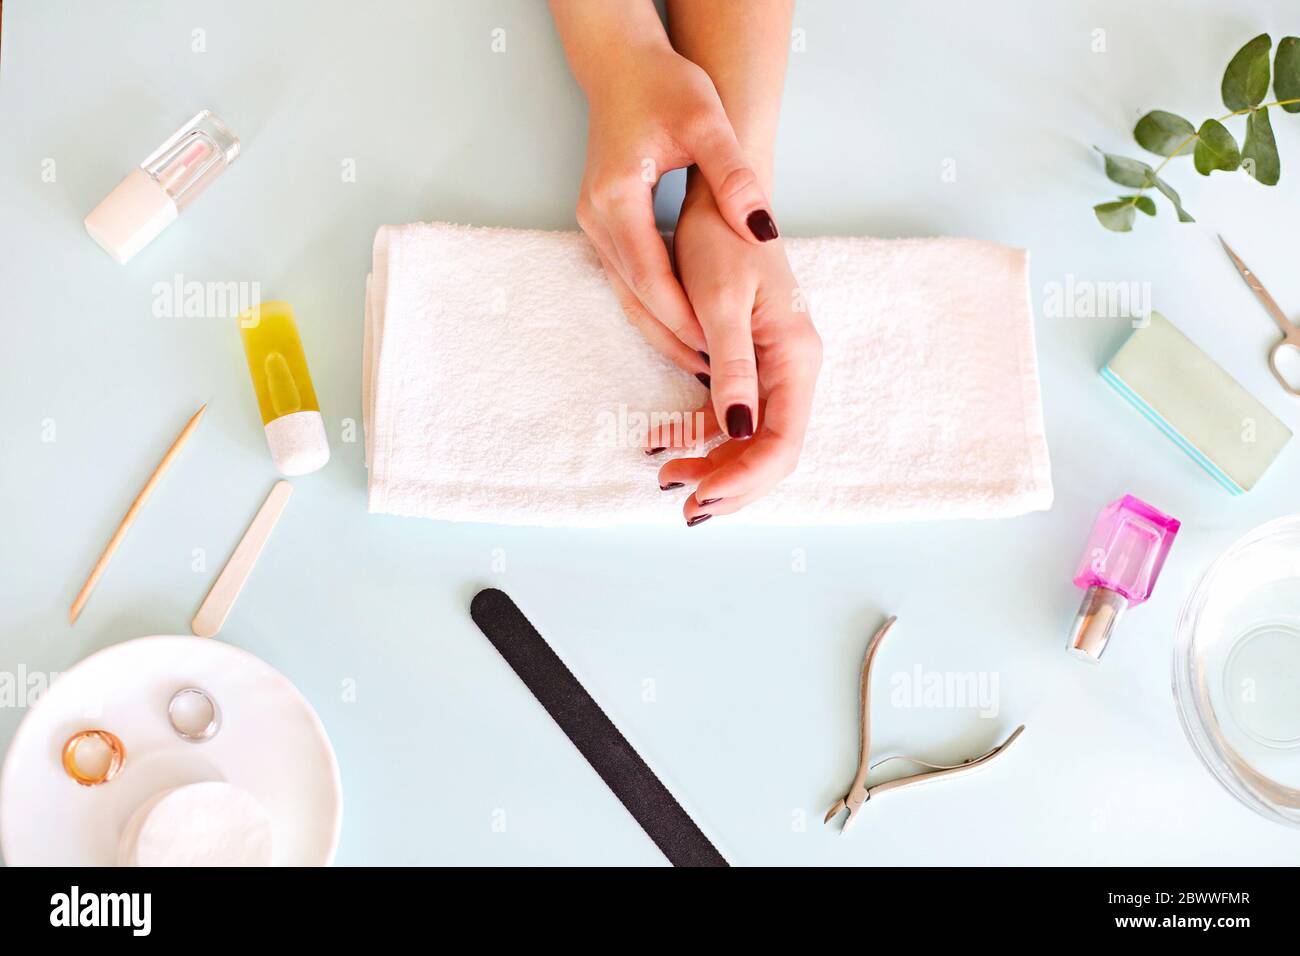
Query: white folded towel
[(502, 384)]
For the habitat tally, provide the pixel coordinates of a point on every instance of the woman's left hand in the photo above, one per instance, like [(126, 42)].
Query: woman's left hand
[(764, 356)]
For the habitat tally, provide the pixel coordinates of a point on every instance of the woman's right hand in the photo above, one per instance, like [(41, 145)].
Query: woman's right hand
[(652, 110)]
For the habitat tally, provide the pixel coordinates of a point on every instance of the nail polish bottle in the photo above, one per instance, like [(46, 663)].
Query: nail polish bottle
[(295, 429), (1118, 570), (153, 194)]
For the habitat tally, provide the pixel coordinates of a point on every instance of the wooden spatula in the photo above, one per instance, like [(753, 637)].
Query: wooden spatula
[(215, 607)]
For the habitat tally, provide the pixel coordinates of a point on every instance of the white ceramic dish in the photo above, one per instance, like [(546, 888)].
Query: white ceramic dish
[(271, 743)]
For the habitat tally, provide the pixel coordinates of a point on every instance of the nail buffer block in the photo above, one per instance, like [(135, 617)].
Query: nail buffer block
[(1199, 406), (593, 733)]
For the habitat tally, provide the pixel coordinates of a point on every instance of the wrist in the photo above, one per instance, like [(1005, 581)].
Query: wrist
[(602, 40), (744, 53), (605, 72)]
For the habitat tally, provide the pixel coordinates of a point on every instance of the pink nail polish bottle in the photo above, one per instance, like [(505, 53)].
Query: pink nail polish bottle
[(1118, 570)]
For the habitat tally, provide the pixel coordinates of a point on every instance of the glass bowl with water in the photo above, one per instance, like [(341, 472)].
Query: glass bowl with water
[(1236, 670)]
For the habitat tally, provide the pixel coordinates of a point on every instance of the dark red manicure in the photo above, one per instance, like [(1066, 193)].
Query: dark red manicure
[(704, 379), (655, 451), (692, 522), (740, 421), (705, 356), (761, 225), (671, 485), (709, 501)]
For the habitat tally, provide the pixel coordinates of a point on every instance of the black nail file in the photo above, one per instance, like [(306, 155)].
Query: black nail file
[(593, 733)]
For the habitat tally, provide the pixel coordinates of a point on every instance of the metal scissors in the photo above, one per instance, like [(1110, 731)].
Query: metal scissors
[(859, 793), (1290, 333)]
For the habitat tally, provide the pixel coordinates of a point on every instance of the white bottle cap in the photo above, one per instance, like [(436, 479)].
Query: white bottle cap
[(131, 216), (147, 201), (298, 443)]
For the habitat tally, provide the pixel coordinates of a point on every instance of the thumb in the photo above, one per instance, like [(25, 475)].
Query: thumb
[(735, 186)]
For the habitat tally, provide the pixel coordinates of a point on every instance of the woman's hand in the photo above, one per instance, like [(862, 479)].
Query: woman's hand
[(764, 358), (710, 99), (650, 111)]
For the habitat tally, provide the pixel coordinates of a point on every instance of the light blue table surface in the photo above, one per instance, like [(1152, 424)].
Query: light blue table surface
[(727, 655)]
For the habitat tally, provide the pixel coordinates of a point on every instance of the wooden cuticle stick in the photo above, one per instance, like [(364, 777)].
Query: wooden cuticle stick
[(132, 512)]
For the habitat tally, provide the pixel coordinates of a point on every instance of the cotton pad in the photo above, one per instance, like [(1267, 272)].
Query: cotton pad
[(201, 824), (131, 832), (1203, 409)]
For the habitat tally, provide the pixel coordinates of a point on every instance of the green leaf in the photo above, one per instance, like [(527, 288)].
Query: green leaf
[(1245, 82), (1286, 72), (1161, 133), (1115, 216), (1132, 173), (1215, 148), (1145, 203), (1259, 152), (1170, 194), (1138, 175)]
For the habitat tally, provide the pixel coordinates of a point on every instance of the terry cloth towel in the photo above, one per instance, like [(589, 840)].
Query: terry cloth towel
[(502, 384)]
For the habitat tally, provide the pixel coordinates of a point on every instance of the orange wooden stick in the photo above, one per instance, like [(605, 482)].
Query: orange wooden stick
[(128, 519)]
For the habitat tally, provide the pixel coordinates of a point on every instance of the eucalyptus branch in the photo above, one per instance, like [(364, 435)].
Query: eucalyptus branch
[(1245, 84)]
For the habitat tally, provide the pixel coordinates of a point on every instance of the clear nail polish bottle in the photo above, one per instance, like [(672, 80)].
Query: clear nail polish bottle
[(154, 193), (1118, 570)]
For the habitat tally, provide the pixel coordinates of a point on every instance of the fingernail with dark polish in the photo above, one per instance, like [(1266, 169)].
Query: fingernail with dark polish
[(705, 356), (740, 421), (671, 485), (655, 451), (704, 379), (761, 225), (710, 501), (692, 522)]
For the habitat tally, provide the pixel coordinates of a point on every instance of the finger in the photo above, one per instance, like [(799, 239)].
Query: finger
[(652, 330), (745, 478), (696, 511), (735, 187), (684, 430), (681, 472), (792, 361), (726, 317), (660, 337), (644, 266), (774, 453)]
